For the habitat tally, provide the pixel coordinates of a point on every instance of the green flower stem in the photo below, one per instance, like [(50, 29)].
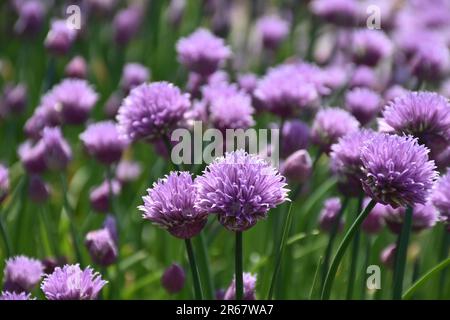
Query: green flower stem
[(238, 265), (400, 257), (194, 270), (5, 237), (341, 250), (69, 211), (436, 269), (354, 260), (279, 255), (332, 237), (443, 254), (200, 244)]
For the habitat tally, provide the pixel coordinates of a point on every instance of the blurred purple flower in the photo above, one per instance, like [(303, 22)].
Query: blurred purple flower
[(126, 24), (248, 82), (295, 135), (370, 46), (329, 215), (273, 30), (364, 76), (102, 246), (202, 52), (100, 196), (297, 167), (76, 68), (4, 182), (339, 12), (285, 91), (21, 274), (58, 153), (387, 256), (31, 17), (32, 157), (128, 171), (424, 216), (374, 222), (249, 288), (232, 112), (60, 37), (102, 141), (364, 104), (14, 100), (441, 197), (133, 75), (173, 279), (329, 125)]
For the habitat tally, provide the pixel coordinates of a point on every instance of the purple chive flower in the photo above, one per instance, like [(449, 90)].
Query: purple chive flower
[(102, 141), (72, 283), (102, 246), (345, 161), (374, 222), (151, 110), (6, 295), (173, 279), (21, 274), (240, 188), (424, 115), (50, 263), (232, 112), (247, 82), (133, 75), (441, 197), (126, 24), (329, 125), (4, 182), (370, 46), (297, 166), (249, 288), (295, 135), (364, 104), (397, 170), (273, 31), (60, 37), (38, 189), (202, 52), (431, 60), (73, 99), (285, 91), (76, 68), (335, 76), (128, 171), (175, 12), (57, 151), (339, 12), (45, 115), (170, 205), (31, 17), (14, 100), (364, 76), (387, 256), (100, 196), (32, 157), (329, 215), (424, 216), (393, 92)]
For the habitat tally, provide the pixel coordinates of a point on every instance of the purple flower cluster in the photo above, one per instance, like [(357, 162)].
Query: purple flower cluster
[(22, 274), (397, 170), (202, 52), (72, 283), (240, 188), (170, 205), (330, 215), (103, 142), (151, 110), (249, 281)]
